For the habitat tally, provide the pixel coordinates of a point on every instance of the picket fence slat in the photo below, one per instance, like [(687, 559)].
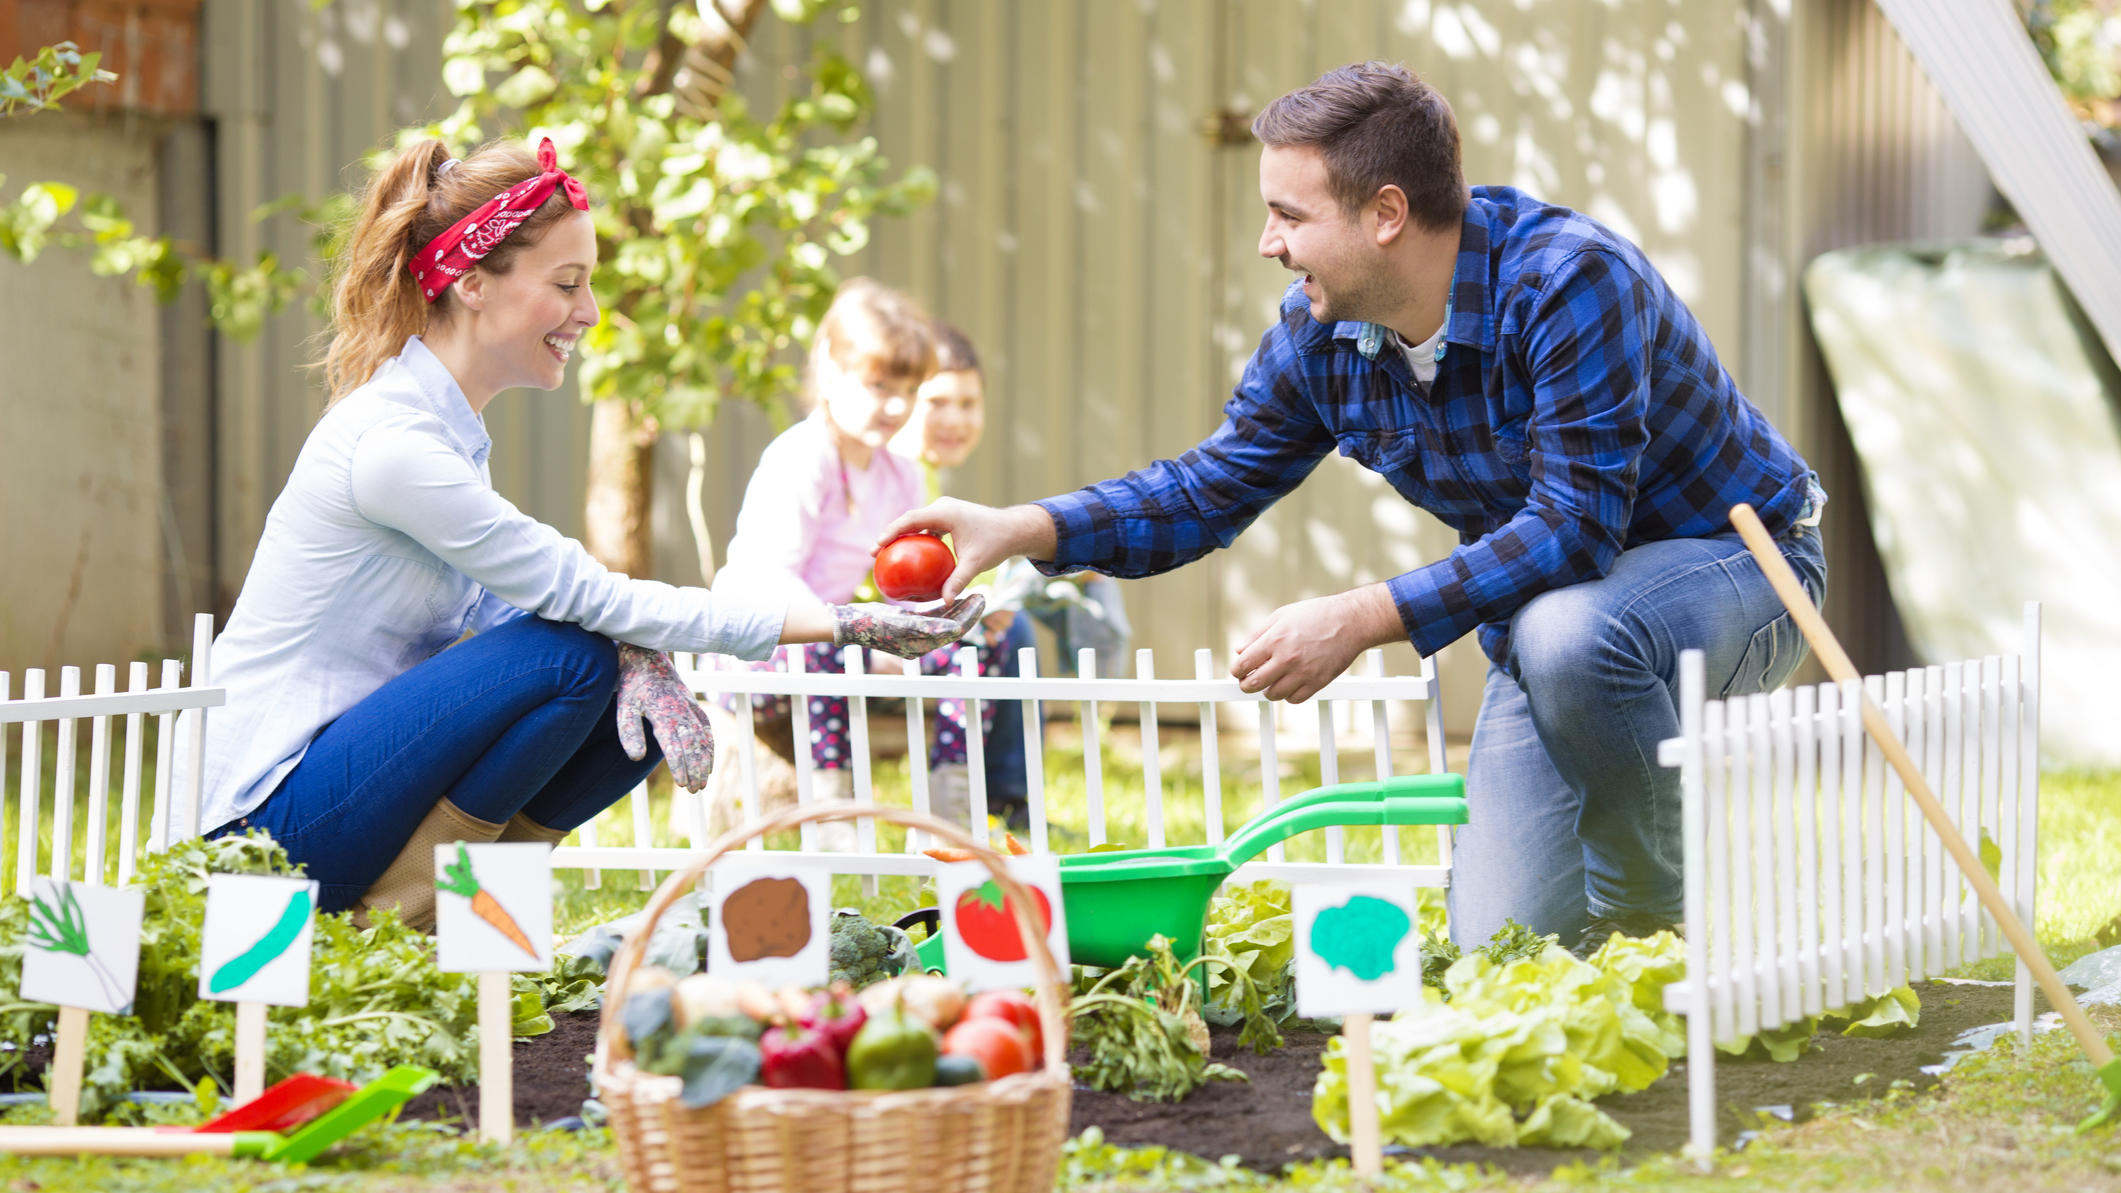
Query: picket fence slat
[(1810, 882)]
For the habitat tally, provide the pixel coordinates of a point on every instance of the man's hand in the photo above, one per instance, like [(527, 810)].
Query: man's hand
[(981, 535), (896, 631), (649, 689), (1307, 645)]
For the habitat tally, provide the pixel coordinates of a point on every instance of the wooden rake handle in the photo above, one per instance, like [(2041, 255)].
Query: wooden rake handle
[(1837, 664)]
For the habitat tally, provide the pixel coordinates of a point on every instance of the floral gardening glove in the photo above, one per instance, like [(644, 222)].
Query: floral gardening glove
[(908, 635), (649, 689)]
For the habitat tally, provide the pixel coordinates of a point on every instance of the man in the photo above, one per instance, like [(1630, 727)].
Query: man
[(1527, 376)]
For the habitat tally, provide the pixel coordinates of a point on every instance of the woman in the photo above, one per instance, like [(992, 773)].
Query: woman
[(355, 732)]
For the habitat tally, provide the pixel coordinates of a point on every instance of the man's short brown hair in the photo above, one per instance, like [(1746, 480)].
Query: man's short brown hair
[(1376, 124)]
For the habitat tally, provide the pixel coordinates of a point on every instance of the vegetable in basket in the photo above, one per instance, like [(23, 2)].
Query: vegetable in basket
[(795, 1057), (864, 953), (894, 1050)]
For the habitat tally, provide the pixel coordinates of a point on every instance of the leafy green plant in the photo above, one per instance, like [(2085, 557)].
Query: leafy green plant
[(240, 297), (48, 77), (1252, 932), (1142, 1025)]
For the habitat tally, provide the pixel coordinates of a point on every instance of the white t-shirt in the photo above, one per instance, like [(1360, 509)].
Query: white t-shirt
[(1422, 357)]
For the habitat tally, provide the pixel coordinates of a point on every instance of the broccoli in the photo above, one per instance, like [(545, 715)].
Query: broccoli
[(864, 953)]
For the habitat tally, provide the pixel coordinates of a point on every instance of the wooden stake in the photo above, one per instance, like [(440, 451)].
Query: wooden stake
[(68, 1049), (250, 1052), (1362, 1097), (1837, 664), (496, 1079)]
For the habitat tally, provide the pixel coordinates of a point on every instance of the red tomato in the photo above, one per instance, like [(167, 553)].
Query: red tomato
[(1013, 1007), (913, 567), (986, 921), (999, 1048)]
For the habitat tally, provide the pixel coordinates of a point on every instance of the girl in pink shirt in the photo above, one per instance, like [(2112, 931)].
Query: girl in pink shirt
[(823, 492)]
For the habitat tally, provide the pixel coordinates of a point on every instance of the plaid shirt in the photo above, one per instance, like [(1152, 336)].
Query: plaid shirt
[(1578, 410)]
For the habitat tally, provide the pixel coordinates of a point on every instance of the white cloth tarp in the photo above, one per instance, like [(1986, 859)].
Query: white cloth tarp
[(1982, 408)]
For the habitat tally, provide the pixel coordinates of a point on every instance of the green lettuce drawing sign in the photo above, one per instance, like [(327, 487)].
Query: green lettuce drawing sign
[(1357, 952)]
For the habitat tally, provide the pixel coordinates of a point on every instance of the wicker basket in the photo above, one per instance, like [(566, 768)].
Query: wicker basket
[(1000, 1136)]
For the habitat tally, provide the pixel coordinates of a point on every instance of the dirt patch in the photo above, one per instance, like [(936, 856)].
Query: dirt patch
[(551, 1077), (1266, 1121)]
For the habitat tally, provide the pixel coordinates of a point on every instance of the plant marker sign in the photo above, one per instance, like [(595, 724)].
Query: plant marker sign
[(83, 946), (256, 945), (82, 954), (493, 907), (982, 946), (769, 925), (253, 952), (1357, 954), (493, 915)]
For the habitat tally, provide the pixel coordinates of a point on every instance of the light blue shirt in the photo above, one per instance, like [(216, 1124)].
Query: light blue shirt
[(386, 546)]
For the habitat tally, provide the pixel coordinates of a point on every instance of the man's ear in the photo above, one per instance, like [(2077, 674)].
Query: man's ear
[(1388, 213)]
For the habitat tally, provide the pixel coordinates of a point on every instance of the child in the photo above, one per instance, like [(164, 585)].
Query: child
[(822, 492)]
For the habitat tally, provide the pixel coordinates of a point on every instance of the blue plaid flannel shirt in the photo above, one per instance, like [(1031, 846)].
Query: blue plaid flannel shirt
[(1578, 410)]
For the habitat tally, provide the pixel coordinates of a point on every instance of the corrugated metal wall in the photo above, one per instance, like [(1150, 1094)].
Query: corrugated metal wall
[(1879, 159), (1099, 247)]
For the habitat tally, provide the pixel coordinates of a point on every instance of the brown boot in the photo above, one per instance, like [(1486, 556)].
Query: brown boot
[(521, 828), (409, 883)]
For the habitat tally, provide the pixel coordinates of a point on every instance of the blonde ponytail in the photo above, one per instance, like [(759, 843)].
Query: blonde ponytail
[(375, 303)]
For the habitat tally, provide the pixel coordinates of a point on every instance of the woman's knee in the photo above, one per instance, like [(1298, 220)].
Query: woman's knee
[(589, 658)]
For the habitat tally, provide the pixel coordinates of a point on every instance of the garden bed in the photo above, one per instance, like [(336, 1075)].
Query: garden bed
[(1266, 1121)]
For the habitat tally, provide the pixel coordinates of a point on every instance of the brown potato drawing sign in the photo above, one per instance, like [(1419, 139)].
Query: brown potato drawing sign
[(767, 917)]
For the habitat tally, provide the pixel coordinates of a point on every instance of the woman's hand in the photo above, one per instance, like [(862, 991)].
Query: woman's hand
[(650, 690), (896, 631)]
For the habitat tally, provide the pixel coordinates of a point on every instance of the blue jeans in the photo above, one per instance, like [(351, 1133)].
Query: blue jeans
[(522, 718), (1569, 813)]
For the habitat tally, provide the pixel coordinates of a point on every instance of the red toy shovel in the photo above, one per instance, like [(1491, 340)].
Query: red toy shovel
[(283, 1107)]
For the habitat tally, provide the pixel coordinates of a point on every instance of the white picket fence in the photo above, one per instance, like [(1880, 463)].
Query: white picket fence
[(1354, 710), (1812, 880), (1368, 697), (175, 707)]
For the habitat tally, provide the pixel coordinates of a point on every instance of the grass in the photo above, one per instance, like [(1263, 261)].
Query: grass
[(2000, 1121)]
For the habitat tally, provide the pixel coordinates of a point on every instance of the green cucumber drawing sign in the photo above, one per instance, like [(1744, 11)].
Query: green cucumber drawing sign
[(284, 932)]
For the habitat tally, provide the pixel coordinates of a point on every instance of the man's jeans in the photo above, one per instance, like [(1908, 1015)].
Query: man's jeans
[(522, 718), (1569, 813)]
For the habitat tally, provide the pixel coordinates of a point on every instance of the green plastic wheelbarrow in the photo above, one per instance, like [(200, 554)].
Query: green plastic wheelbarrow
[(1115, 900)]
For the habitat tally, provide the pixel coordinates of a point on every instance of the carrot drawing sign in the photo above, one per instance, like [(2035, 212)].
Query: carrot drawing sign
[(494, 911), (256, 944), (83, 945)]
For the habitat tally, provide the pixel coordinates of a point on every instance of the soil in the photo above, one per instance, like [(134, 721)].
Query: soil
[(550, 1078), (1266, 1121)]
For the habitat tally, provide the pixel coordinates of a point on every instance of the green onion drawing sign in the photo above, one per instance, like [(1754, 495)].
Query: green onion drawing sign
[(64, 929), (245, 965)]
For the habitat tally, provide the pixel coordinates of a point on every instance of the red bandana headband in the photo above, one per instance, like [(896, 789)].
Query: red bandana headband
[(452, 254)]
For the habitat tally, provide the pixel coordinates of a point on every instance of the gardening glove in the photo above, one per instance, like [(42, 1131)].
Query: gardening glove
[(649, 689), (896, 631)]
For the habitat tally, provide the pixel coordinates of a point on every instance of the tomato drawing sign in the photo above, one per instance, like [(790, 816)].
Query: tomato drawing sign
[(986, 918), (982, 945)]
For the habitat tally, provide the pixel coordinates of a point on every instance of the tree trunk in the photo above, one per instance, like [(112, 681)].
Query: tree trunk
[(621, 486), (621, 438)]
